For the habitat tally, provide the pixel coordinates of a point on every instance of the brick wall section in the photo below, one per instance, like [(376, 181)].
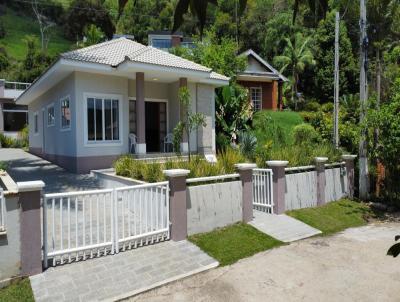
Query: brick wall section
[(269, 93)]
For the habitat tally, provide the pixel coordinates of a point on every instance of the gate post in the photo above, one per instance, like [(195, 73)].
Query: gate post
[(177, 203), (30, 230), (246, 176), (349, 162), (321, 179), (279, 184)]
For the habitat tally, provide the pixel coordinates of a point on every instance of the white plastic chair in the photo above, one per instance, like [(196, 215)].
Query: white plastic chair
[(168, 140), (132, 140)]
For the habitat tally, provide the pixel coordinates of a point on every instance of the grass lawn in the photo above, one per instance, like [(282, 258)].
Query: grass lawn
[(234, 242), (334, 216), (18, 27), (286, 120), (17, 292)]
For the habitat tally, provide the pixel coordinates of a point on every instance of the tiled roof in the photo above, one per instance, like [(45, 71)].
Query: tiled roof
[(116, 51)]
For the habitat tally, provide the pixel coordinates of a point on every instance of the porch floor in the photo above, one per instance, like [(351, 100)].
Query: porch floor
[(126, 274)]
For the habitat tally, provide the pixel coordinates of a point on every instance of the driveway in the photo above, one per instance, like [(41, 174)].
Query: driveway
[(349, 266), (24, 166)]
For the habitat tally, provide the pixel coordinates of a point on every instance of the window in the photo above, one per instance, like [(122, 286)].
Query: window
[(50, 115), (102, 119), (65, 113), (15, 117), (36, 122), (161, 43), (132, 116), (255, 95)]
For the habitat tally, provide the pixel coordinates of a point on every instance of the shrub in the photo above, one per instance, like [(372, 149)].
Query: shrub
[(222, 141), (312, 106), (247, 144), (327, 107), (305, 134)]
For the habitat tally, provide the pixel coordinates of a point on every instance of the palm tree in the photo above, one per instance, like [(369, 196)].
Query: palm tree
[(199, 9), (296, 56)]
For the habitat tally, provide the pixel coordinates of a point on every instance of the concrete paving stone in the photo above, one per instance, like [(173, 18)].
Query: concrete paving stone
[(144, 269)]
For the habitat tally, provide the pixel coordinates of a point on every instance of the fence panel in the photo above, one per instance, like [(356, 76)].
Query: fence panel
[(262, 190), (2, 211), (78, 225), (142, 215)]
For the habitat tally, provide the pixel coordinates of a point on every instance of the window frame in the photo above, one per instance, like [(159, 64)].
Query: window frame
[(102, 96), (65, 128), (251, 98), (51, 105), (36, 123)]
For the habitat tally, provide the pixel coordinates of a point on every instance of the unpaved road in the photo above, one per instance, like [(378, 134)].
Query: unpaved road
[(349, 266)]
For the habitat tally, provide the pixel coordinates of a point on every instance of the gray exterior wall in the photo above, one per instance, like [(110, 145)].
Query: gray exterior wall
[(336, 185), (213, 205), (10, 248), (206, 105), (301, 190)]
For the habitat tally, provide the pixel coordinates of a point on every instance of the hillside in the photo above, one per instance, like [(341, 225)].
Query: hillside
[(18, 27)]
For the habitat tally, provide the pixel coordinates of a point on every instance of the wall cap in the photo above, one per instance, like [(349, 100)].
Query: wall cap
[(349, 156), (176, 172), (277, 163), (245, 166), (321, 159), (27, 186)]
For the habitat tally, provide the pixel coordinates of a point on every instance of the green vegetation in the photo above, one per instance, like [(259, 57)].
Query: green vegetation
[(17, 292), (20, 142), (234, 242), (18, 27), (334, 216)]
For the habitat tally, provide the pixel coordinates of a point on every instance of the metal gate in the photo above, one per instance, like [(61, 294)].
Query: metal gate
[(86, 224), (262, 190)]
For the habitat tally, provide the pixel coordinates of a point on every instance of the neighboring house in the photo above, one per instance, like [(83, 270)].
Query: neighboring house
[(84, 107), (12, 117), (263, 82), (164, 40)]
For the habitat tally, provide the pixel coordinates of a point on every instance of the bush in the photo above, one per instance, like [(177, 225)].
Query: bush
[(247, 144), (305, 134), (312, 106), (2, 29), (327, 107), (222, 141)]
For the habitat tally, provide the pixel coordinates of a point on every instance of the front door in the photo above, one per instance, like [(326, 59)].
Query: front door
[(156, 125)]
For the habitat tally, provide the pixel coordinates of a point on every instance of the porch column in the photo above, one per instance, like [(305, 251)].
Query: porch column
[(279, 184), (349, 162), (140, 114), (184, 143), (321, 180)]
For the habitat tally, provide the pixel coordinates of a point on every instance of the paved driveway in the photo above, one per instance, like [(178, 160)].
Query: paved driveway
[(24, 166), (350, 266)]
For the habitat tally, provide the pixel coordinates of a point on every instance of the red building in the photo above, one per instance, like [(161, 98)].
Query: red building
[(263, 81)]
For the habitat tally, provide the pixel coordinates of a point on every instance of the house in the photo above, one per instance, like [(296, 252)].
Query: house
[(84, 107), (263, 81), (164, 40), (13, 117)]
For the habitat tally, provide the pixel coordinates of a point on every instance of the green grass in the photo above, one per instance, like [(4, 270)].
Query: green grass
[(19, 291), (18, 27), (234, 242), (334, 216)]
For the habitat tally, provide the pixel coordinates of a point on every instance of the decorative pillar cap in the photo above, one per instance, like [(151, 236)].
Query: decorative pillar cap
[(321, 159), (176, 172), (277, 163), (245, 166), (349, 157), (28, 186)]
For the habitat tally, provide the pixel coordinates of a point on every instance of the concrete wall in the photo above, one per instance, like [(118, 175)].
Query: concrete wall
[(213, 205), (336, 184), (10, 248), (301, 190), (109, 180), (206, 105)]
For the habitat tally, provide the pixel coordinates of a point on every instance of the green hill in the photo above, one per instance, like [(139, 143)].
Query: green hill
[(18, 27)]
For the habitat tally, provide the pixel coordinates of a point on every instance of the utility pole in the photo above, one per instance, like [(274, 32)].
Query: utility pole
[(336, 85), (363, 160)]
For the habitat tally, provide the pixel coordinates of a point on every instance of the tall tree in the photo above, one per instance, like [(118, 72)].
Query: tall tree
[(317, 9), (296, 56)]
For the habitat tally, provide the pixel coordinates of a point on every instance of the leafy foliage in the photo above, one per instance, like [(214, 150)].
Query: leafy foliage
[(247, 144), (394, 250), (305, 134)]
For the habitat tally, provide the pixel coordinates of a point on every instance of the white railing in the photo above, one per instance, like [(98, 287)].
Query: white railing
[(143, 215), (16, 85), (212, 178), (262, 190), (87, 224), (2, 211)]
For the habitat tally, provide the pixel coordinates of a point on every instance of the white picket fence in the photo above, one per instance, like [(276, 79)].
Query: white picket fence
[(262, 190), (87, 224), (2, 211)]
